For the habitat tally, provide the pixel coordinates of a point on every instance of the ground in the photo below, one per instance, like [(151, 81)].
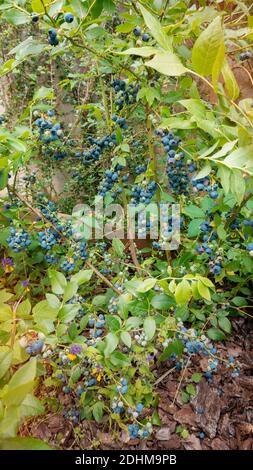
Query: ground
[(223, 410)]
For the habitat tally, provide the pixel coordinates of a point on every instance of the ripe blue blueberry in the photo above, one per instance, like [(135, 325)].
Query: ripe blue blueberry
[(68, 17), (137, 31), (145, 37)]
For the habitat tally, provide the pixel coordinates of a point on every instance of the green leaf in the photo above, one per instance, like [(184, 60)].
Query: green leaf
[(72, 331), (241, 158), (161, 302), (82, 276), (43, 93), (5, 362), (70, 290), (97, 8), (24, 309), (206, 48), (29, 47), (132, 323), (16, 17), (194, 227), (185, 396), (3, 178), (215, 334), (5, 295), (126, 338), (191, 390), (203, 172), (193, 211), (113, 322), (98, 411), (146, 285), (231, 84), (111, 342), (239, 301), (218, 64), (118, 247), (43, 311), (176, 347), (21, 383), (225, 324), (23, 443), (167, 63), (31, 406), (203, 290), (196, 377), (222, 234), (237, 185), (58, 281), (53, 301), (5, 312), (37, 6), (224, 174), (149, 327), (147, 51), (68, 312), (119, 359), (183, 292), (156, 29), (99, 300)]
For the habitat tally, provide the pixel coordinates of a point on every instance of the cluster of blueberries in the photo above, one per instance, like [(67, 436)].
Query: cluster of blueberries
[(2, 119), (111, 177), (96, 329), (137, 32), (99, 145), (52, 37), (120, 121), (35, 347), (52, 33), (30, 179), (68, 265), (57, 153), (18, 240), (48, 238), (73, 414), (176, 168), (135, 431), (125, 94), (196, 342), (108, 263), (141, 339), (48, 132), (204, 184), (113, 305), (168, 224), (139, 169), (209, 235), (143, 195)]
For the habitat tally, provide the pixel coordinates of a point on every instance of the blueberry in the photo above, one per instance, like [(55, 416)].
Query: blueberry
[(137, 31), (139, 407), (145, 37), (52, 32), (213, 194), (68, 17), (35, 17)]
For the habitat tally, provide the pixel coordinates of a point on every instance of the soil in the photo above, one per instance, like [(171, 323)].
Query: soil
[(223, 410)]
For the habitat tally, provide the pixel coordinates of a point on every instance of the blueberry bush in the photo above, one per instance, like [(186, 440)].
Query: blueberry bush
[(134, 103)]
